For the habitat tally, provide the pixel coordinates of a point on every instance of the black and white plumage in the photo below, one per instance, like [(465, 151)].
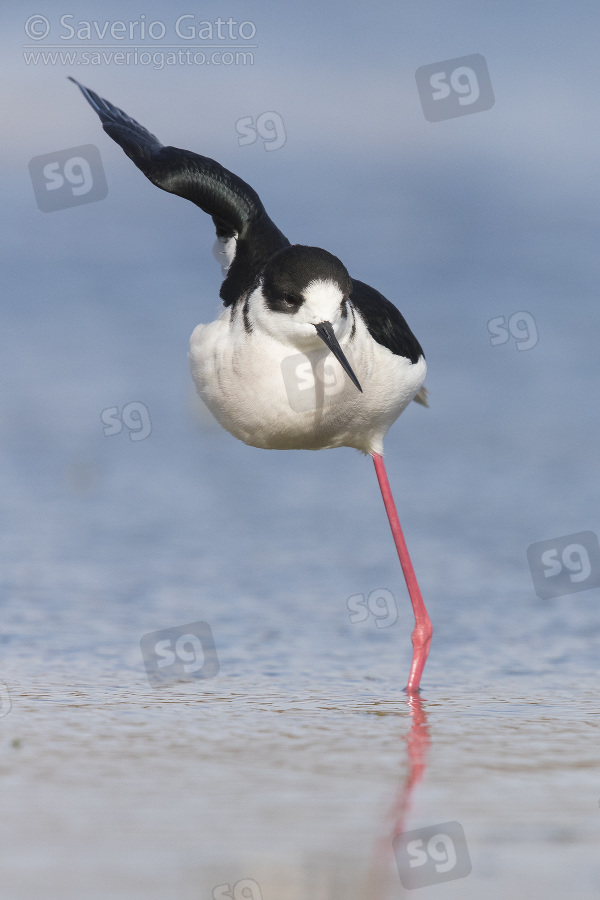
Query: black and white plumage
[(264, 367)]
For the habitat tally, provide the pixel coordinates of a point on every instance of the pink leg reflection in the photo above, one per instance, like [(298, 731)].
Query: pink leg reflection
[(418, 741)]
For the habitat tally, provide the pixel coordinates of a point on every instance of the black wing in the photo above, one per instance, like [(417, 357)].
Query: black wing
[(385, 323), (235, 207)]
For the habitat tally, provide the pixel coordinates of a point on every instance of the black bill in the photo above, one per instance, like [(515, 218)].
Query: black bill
[(325, 332)]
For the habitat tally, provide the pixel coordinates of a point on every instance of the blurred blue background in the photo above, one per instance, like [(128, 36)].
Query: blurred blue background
[(459, 222)]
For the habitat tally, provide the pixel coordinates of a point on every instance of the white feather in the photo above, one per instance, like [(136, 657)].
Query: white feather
[(224, 252), (279, 387)]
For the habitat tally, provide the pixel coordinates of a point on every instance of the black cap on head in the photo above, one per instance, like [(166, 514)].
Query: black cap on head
[(289, 272)]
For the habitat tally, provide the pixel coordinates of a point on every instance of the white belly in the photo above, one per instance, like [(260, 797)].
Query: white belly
[(273, 396)]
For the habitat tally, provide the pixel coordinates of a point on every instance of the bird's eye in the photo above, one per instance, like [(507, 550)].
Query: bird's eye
[(282, 301), (289, 302)]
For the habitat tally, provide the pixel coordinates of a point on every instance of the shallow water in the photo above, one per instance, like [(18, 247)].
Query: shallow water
[(113, 791), (286, 774)]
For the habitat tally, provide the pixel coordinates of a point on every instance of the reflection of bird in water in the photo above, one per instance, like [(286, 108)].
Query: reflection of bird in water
[(264, 368), (418, 741)]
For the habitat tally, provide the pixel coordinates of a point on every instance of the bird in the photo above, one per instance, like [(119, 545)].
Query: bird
[(302, 356)]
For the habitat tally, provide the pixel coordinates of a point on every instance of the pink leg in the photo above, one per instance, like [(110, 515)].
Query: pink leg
[(421, 636)]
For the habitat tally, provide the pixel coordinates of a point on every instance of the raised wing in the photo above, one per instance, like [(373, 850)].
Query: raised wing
[(235, 207)]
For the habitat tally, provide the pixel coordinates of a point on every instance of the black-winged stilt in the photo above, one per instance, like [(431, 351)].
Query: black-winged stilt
[(263, 367)]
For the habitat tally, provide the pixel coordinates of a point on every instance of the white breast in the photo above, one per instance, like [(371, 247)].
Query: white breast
[(271, 395)]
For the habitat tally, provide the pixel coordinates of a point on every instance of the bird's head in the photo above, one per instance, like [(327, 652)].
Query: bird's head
[(302, 300)]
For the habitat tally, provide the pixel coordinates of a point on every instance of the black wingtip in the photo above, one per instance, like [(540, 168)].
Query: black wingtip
[(78, 83), (121, 127), (81, 87), (93, 99)]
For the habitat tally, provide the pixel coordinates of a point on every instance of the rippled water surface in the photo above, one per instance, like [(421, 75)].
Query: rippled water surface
[(291, 768), (287, 775)]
